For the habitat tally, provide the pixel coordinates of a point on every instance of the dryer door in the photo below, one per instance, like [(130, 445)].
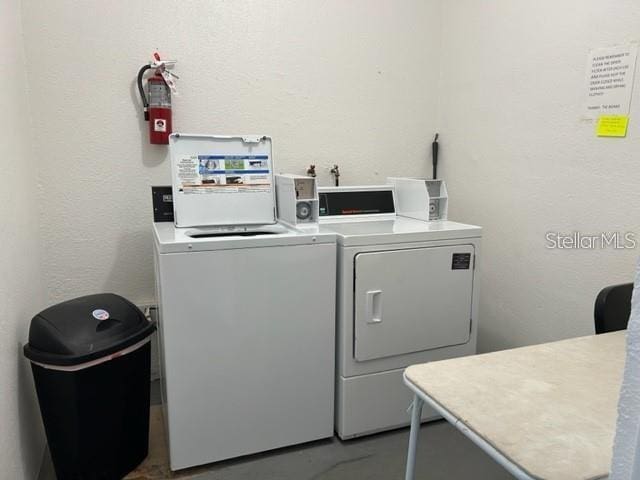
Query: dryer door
[(412, 300)]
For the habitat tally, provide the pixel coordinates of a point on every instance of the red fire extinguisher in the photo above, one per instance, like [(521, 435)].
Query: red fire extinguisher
[(157, 106)]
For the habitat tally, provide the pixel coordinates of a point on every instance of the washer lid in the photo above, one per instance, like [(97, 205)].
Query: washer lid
[(222, 180), (171, 239), (398, 230)]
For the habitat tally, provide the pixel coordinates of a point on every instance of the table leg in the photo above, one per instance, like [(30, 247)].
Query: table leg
[(416, 414)]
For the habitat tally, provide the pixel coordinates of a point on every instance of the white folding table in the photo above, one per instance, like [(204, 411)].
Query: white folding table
[(543, 412)]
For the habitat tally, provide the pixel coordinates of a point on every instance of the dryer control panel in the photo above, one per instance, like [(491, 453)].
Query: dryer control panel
[(358, 200)]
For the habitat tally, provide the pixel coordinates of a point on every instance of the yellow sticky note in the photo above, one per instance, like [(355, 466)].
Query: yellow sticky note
[(612, 126)]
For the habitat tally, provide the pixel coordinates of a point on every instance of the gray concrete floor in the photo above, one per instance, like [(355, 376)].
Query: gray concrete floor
[(443, 454)]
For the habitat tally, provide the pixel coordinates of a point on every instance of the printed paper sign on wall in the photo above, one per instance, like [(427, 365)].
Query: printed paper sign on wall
[(610, 73)]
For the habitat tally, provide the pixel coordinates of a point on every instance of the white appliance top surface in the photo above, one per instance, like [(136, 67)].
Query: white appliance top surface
[(397, 229), (171, 239)]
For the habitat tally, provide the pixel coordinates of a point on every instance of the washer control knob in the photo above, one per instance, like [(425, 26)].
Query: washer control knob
[(303, 210)]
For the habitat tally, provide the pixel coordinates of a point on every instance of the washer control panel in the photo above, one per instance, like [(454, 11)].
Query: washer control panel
[(297, 199)]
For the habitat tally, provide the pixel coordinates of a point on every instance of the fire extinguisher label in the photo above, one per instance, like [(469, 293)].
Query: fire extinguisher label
[(159, 125)]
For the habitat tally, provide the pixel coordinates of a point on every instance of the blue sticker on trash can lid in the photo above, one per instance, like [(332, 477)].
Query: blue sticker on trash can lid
[(100, 314)]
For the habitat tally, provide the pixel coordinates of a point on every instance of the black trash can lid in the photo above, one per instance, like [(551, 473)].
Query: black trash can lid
[(85, 329)]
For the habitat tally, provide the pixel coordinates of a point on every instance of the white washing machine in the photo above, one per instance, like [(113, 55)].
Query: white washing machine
[(246, 311), (407, 294)]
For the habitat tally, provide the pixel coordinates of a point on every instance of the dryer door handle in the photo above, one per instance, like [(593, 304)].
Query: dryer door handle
[(373, 302)]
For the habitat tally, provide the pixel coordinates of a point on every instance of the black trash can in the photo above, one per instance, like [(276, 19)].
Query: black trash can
[(90, 358)]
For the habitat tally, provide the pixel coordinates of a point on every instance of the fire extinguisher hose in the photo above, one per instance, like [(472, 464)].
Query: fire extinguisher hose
[(143, 96)]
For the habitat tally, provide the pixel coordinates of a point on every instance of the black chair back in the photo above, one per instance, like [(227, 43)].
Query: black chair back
[(612, 308)]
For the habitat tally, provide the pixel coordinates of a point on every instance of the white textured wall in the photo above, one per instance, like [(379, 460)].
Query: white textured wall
[(625, 464), (519, 162), (352, 83), (21, 293)]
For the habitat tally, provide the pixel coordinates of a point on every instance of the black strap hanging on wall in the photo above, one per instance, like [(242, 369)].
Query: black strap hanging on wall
[(434, 156)]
